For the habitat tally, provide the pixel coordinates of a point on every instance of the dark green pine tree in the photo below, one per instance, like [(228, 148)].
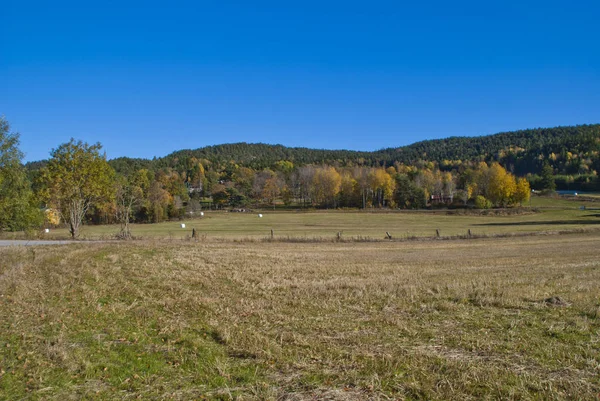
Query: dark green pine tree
[(548, 177)]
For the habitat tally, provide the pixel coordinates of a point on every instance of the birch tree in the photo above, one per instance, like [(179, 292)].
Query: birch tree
[(129, 194)]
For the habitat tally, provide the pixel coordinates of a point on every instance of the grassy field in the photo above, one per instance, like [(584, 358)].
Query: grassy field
[(552, 215), (503, 318), (545, 215)]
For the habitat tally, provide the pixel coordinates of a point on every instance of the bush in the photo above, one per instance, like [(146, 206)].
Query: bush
[(482, 203)]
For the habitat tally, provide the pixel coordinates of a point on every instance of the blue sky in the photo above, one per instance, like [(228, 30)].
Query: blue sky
[(147, 78)]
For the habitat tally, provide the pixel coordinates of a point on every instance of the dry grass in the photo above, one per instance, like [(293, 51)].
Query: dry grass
[(295, 321)]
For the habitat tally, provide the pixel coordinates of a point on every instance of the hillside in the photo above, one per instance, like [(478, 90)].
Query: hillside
[(567, 148), (473, 148), (520, 150)]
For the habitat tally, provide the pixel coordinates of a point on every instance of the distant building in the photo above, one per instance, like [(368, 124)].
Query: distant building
[(441, 199)]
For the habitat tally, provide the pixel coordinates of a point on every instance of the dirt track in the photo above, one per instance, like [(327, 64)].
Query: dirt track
[(34, 242)]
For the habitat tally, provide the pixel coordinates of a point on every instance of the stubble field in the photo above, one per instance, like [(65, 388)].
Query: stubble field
[(510, 318)]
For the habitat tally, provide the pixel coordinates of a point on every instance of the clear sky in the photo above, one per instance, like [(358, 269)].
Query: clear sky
[(146, 78)]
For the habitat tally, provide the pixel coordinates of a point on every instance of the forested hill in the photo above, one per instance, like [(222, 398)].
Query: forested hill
[(575, 139), (259, 155), (523, 151), (519, 149)]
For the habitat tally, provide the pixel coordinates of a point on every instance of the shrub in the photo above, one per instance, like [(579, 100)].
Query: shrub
[(482, 203)]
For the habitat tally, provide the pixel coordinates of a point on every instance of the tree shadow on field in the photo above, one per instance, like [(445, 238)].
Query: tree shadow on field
[(545, 223)]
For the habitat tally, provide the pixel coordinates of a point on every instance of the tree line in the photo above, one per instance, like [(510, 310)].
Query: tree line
[(78, 184)]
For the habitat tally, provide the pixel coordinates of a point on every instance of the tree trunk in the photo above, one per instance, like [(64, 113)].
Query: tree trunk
[(75, 216), (74, 230)]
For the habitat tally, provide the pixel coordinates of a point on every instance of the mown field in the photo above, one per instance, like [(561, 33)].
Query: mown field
[(493, 318), (551, 215)]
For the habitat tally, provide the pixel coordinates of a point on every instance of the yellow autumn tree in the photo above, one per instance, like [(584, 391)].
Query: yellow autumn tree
[(481, 179), (349, 190), (523, 191), (427, 180), (158, 200), (448, 184), (501, 185), (326, 185), (52, 217), (383, 185), (196, 176)]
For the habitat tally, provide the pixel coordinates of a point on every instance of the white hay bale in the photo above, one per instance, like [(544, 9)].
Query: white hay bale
[(182, 225), (201, 213), (47, 230), (259, 215)]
